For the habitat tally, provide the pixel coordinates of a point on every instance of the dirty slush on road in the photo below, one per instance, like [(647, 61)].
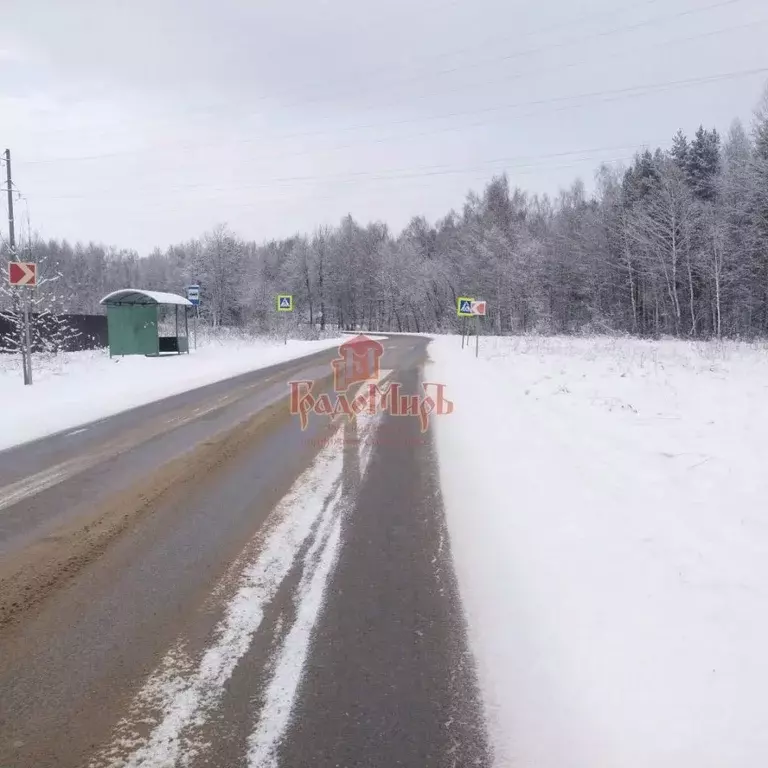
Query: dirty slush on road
[(150, 634)]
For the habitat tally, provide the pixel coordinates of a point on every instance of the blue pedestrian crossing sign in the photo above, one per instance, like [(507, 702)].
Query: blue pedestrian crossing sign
[(284, 302), (464, 306)]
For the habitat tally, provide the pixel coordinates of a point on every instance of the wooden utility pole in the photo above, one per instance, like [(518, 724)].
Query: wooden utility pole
[(24, 334), (9, 190)]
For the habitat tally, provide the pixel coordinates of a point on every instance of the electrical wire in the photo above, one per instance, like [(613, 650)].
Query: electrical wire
[(463, 68), (162, 207), (539, 102), (292, 182), (481, 46), (752, 24), (576, 40), (600, 96), (395, 173)]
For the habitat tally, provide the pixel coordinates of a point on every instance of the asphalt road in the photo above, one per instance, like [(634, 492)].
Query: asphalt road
[(201, 582)]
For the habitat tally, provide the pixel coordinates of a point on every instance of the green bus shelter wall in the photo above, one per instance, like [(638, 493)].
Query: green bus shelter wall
[(132, 329)]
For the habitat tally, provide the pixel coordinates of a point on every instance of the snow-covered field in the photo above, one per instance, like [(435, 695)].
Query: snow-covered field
[(608, 507), (71, 389)]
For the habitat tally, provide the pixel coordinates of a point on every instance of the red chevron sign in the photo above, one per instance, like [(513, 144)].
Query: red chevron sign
[(22, 273)]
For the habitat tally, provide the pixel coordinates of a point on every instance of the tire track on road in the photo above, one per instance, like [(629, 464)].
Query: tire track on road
[(167, 722), (27, 577)]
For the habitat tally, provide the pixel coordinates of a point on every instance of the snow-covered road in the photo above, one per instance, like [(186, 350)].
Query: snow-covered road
[(606, 501), (71, 389)]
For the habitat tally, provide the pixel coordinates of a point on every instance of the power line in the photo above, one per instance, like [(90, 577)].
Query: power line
[(607, 96), (529, 51), (426, 182), (474, 65), (285, 180), (568, 65), (540, 102), (481, 45), (473, 171), (604, 96), (383, 174)]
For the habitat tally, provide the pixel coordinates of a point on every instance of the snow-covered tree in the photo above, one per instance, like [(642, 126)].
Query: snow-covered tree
[(50, 330), (677, 242)]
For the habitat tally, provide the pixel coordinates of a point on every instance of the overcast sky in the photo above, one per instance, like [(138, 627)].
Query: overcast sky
[(144, 123)]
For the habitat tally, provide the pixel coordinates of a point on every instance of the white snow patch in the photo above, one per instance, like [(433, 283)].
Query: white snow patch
[(186, 696), (73, 389), (289, 665), (157, 297), (291, 657), (39, 482), (606, 503)]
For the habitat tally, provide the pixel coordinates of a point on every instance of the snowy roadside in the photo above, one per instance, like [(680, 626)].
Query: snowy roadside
[(606, 501), (75, 388)]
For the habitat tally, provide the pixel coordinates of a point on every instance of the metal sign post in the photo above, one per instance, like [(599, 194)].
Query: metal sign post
[(24, 275), (193, 295), (285, 304), (27, 339), (464, 310), (477, 308), (18, 310)]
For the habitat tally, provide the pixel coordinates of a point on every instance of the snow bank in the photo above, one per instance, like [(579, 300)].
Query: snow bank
[(71, 389), (608, 508)]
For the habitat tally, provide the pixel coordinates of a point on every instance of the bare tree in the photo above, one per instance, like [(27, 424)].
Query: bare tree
[(676, 242)]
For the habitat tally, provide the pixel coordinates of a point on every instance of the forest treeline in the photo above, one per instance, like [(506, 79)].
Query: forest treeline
[(676, 243)]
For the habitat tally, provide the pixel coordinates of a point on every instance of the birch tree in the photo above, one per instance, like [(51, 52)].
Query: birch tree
[(676, 242)]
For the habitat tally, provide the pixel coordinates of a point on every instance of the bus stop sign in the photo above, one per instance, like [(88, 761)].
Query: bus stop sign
[(193, 295)]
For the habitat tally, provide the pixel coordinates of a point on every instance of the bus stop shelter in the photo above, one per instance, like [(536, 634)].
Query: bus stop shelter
[(138, 322)]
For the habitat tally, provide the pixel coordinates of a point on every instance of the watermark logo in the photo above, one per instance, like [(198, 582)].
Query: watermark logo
[(359, 363)]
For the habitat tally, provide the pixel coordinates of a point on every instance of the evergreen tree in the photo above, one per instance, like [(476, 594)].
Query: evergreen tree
[(703, 164), (680, 151)]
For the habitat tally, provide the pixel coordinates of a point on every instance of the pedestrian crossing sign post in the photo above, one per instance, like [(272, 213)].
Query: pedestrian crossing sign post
[(467, 307), (464, 306), (285, 304), (464, 309)]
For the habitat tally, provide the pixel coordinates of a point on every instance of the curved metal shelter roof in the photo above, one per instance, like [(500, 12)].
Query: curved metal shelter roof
[(137, 296)]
